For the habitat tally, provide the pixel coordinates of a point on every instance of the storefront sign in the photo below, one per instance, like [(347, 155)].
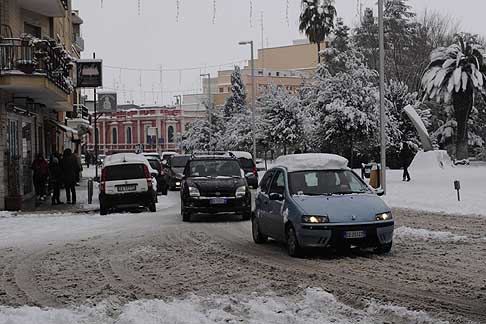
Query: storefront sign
[(89, 73)]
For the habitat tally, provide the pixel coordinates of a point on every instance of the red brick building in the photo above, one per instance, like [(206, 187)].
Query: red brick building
[(156, 128)]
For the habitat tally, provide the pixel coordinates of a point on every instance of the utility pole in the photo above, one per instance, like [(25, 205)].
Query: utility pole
[(252, 96), (209, 108), (96, 133), (382, 97)]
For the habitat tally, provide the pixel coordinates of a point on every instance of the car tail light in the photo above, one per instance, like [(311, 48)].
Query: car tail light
[(147, 176), (103, 180), (255, 172)]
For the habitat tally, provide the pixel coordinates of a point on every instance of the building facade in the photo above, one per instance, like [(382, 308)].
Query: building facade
[(37, 54), (285, 66), (156, 129)]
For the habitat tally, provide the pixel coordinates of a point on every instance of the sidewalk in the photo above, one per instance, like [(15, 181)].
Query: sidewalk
[(82, 206)]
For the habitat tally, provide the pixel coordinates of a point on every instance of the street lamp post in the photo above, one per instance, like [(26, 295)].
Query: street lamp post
[(252, 96), (209, 108), (382, 97)]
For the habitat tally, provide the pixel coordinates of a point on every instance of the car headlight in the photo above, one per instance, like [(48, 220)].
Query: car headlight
[(194, 192), (315, 219), (241, 191), (384, 216)]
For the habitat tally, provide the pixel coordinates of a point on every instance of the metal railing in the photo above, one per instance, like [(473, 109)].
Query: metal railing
[(22, 56), (65, 4)]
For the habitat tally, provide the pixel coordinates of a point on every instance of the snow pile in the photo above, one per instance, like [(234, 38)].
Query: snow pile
[(408, 233), (434, 160), (433, 190), (315, 306), (311, 161)]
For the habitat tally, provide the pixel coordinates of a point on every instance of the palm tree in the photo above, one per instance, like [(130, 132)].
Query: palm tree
[(456, 74), (317, 21)]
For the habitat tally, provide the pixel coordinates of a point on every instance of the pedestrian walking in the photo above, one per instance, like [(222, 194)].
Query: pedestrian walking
[(406, 157), (70, 171), (87, 158), (41, 174), (77, 158), (55, 177)]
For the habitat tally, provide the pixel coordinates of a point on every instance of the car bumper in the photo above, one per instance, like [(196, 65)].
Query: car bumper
[(204, 205), (128, 199), (324, 235)]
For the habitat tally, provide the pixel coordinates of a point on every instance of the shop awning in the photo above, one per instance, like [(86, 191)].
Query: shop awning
[(69, 130)]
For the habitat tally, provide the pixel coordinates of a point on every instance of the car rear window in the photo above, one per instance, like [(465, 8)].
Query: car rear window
[(179, 161), (246, 163), (124, 172)]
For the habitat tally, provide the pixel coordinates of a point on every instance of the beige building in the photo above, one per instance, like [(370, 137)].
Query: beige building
[(39, 40), (284, 66)]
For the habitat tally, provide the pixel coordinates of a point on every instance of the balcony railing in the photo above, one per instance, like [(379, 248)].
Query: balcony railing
[(36, 57), (65, 4)]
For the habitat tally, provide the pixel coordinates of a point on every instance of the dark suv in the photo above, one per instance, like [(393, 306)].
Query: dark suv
[(214, 184), (176, 165)]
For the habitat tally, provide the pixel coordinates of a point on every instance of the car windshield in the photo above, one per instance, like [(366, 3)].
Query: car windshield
[(124, 172), (155, 164), (325, 182), (179, 161), (246, 163), (214, 168)]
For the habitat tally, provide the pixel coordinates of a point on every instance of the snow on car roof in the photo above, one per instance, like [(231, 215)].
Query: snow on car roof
[(125, 157), (311, 161), (242, 154)]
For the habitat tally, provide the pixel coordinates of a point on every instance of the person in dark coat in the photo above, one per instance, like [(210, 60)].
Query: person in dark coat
[(87, 158), (41, 174), (55, 176), (406, 157), (70, 170)]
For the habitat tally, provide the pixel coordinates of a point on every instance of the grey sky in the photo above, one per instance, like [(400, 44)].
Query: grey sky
[(122, 37)]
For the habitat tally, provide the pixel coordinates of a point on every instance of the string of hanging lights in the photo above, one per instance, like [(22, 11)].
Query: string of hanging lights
[(178, 10)]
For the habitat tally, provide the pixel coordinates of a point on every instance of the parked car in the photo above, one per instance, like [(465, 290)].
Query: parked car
[(315, 200), (167, 155), (214, 184), (152, 155), (248, 166), (163, 174), (127, 181), (176, 165)]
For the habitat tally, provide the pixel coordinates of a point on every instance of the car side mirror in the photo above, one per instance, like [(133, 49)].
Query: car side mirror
[(249, 175), (276, 196), (380, 192), (154, 174)]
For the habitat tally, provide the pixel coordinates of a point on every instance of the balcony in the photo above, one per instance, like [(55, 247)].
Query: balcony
[(38, 69), (49, 8), (78, 41)]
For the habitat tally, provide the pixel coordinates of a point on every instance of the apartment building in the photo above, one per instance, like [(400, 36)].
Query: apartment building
[(284, 66), (39, 42)]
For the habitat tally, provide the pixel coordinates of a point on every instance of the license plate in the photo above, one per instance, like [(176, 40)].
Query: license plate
[(218, 201), (354, 234), (126, 188)]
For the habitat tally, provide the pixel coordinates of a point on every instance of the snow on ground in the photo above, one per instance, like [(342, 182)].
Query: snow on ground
[(25, 228), (408, 233), (314, 306)]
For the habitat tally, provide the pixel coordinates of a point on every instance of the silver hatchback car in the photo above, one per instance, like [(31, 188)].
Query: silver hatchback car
[(315, 200)]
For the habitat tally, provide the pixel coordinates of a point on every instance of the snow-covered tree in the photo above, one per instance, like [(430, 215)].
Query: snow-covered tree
[(236, 102), (456, 74), (281, 121), (341, 36), (196, 136), (317, 21)]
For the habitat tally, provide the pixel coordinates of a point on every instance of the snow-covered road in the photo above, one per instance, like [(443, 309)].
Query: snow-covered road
[(152, 268)]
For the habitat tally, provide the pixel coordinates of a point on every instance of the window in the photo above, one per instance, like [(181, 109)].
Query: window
[(214, 168), (278, 73), (125, 172), (278, 184), (221, 90), (129, 135), (170, 134), (114, 136), (97, 135), (32, 30), (265, 182)]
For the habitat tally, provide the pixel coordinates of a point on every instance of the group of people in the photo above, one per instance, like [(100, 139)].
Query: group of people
[(60, 171)]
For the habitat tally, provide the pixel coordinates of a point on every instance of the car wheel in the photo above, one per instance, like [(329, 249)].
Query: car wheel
[(293, 246), (153, 207), (246, 216), (103, 210), (384, 248), (186, 216), (258, 237)]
